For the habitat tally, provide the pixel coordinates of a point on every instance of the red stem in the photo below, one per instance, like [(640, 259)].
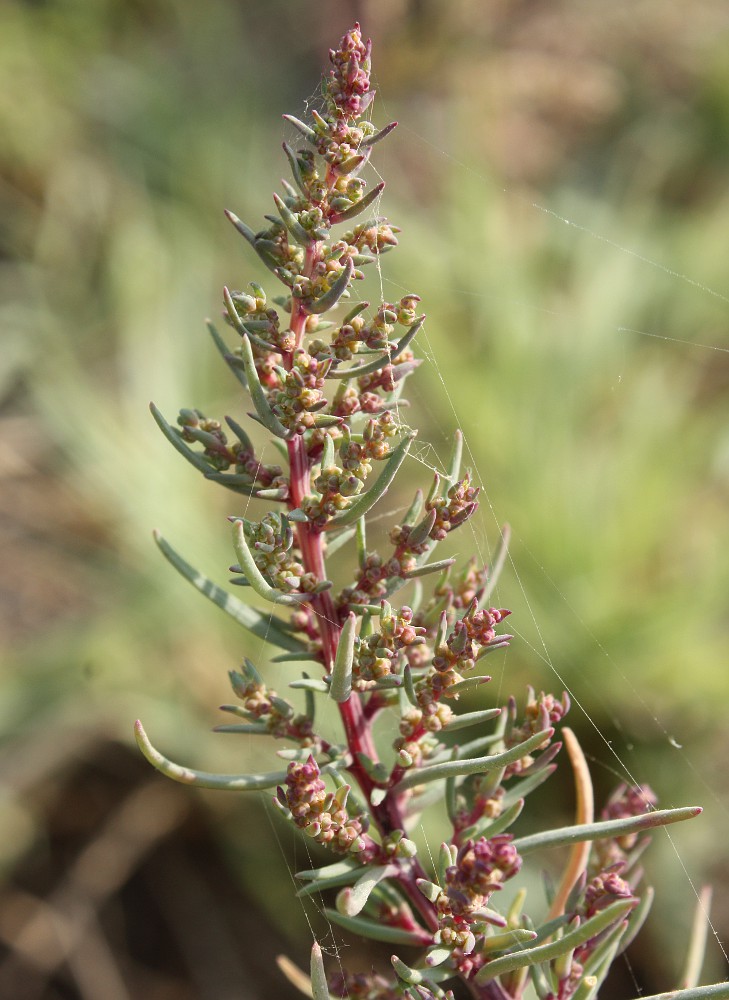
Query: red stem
[(357, 726), (359, 738)]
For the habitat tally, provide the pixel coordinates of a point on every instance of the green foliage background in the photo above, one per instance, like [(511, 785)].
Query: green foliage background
[(591, 380)]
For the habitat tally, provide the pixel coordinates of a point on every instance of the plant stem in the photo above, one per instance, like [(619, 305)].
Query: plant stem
[(357, 725), (359, 738)]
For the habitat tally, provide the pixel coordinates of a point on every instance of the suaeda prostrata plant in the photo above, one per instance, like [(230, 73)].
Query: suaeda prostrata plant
[(324, 373)]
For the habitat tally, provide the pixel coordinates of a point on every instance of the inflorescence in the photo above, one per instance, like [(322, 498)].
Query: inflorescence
[(328, 393)]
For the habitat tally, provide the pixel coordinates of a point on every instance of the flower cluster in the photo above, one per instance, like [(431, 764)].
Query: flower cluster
[(349, 82), (337, 484), (263, 707), (469, 638), (271, 541), (383, 652), (481, 867), (541, 711), (604, 889), (323, 815), (250, 471)]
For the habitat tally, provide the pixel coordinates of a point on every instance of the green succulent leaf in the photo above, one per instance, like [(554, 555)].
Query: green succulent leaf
[(372, 139), (308, 133), (365, 927), (492, 827), (546, 952), (230, 359), (346, 867), (177, 442), (427, 568), (295, 168), (204, 779), (245, 728), (292, 223), (497, 564), (263, 626), (467, 719), (369, 199), (474, 765), (254, 575), (404, 972), (566, 835), (717, 991), (352, 900), (333, 882), (341, 683), (266, 415), (319, 987), (365, 501), (313, 684), (525, 786), (504, 940)]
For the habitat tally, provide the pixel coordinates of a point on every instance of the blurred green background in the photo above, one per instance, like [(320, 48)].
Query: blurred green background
[(587, 361)]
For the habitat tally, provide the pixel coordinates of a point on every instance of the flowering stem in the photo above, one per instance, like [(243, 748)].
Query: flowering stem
[(359, 738), (416, 660), (357, 725)]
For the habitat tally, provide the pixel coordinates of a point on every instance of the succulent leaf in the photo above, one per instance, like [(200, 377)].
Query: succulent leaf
[(608, 828), (263, 626)]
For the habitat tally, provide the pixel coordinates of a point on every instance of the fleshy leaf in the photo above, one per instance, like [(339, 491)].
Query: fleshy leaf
[(372, 139), (341, 683), (204, 779), (502, 550), (295, 168), (360, 206), (404, 972), (177, 442), (319, 988), (308, 133), (226, 355), (314, 684), (476, 765), (347, 867), (263, 626), (471, 719), (292, 223), (426, 568), (352, 900), (266, 415), (524, 786), (717, 991), (507, 939), (697, 940), (491, 827), (254, 575), (378, 931), (546, 952), (608, 828), (365, 501)]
